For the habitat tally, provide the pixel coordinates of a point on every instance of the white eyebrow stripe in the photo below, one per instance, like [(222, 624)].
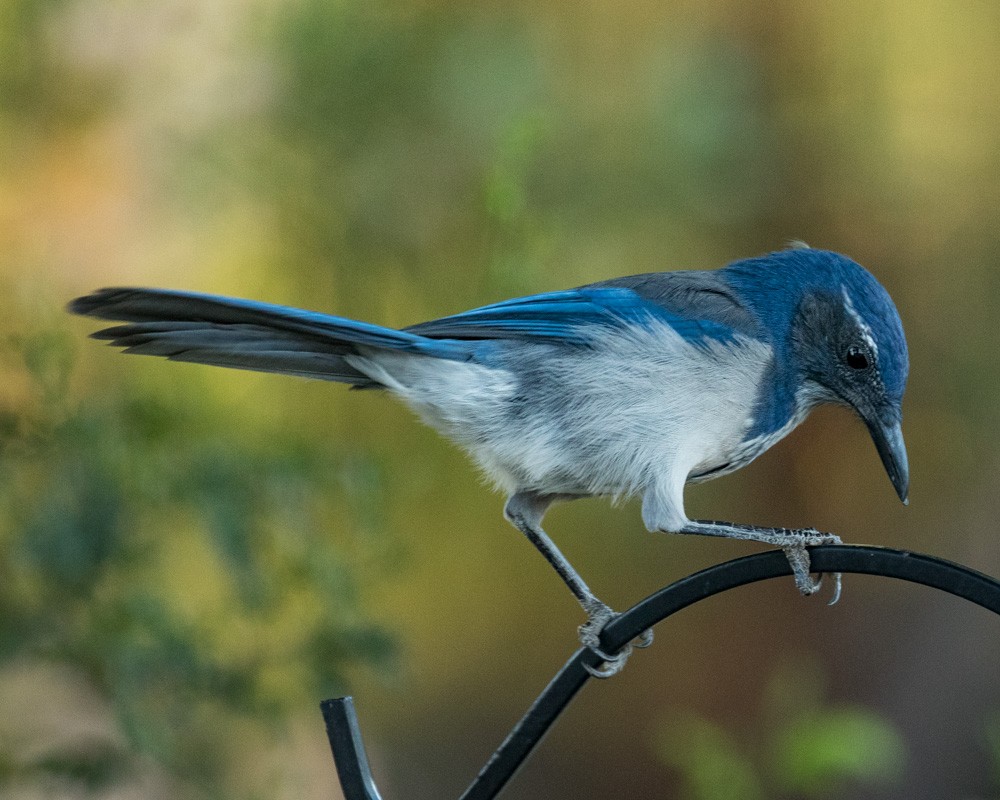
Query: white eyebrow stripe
[(866, 332)]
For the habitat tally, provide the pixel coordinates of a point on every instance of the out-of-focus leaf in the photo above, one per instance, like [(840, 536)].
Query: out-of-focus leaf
[(710, 762), (815, 754), (803, 745)]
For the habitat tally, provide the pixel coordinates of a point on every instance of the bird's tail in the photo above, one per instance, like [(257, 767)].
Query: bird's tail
[(244, 334)]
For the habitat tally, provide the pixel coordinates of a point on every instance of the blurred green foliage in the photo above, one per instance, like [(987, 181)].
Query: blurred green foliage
[(187, 574), (809, 747), (710, 761)]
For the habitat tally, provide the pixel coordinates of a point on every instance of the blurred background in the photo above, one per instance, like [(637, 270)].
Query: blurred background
[(191, 558)]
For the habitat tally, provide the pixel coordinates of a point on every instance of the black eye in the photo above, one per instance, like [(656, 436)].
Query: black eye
[(856, 358)]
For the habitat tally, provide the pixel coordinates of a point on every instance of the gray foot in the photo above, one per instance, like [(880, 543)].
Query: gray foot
[(598, 616), (792, 542)]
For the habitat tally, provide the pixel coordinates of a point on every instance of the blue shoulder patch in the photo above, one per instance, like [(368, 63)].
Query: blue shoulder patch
[(569, 316)]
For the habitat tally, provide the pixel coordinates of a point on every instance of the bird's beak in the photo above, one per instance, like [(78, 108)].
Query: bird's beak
[(888, 440)]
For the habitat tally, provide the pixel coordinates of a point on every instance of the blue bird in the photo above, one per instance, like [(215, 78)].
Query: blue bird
[(631, 386)]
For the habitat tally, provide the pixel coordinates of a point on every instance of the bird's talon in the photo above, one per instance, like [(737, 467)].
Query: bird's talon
[(798, 559), (598, 616), (612, 664), (837, 586), (644, 639)]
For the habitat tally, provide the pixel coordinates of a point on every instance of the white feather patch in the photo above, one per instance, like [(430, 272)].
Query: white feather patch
[(866, 332)]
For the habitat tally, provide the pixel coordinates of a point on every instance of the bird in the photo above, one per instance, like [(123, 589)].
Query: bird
[(633, 386)]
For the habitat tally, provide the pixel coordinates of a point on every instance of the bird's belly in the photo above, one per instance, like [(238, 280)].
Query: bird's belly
[(643, 422)]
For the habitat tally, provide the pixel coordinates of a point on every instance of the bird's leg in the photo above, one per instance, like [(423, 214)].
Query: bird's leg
[(524, 510), (793, 542)]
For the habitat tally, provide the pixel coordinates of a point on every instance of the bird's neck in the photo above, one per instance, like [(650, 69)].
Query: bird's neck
[(783, 403)]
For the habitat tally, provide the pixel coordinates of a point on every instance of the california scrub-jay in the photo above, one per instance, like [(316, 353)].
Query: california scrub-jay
[(634, 385)]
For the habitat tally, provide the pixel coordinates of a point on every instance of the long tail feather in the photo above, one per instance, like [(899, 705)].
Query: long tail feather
[(245, 334)]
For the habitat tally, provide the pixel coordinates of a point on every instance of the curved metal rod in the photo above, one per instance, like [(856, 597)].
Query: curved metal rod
[(345, 738)]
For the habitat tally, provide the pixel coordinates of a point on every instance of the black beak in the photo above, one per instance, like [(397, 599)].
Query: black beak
[(888, 440)]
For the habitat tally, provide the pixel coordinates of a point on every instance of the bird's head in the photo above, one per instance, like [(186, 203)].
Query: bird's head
[(845, 341)]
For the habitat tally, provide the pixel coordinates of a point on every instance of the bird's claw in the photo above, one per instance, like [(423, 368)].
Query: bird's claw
[(644, 639), (598, 616), (612, 664), (798, 559)]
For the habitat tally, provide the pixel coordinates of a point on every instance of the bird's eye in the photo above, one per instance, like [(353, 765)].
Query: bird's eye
[(856, 358)]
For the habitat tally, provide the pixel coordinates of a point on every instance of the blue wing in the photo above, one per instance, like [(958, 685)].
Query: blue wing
[(570, 316)]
